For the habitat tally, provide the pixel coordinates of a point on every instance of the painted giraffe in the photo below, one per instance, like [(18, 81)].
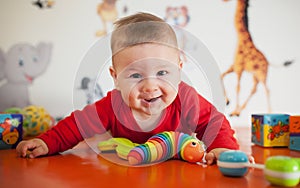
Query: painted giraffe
[(247, 58)]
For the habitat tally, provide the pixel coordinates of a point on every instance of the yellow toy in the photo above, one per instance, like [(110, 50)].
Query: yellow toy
[(121, 145), (36, 120)]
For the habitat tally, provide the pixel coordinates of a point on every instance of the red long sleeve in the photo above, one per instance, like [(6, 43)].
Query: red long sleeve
[(63, 136), (189, 113)]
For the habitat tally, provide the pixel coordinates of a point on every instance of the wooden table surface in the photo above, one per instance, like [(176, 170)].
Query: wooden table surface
[(83, 167)]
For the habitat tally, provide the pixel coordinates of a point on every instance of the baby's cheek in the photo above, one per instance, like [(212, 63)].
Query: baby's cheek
[(131, 99), (170, 97), (172, 90), (125, 97), (132, 96)]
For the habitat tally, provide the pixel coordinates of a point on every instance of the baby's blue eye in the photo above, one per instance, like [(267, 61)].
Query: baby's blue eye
[(135, 75), (161, 73)]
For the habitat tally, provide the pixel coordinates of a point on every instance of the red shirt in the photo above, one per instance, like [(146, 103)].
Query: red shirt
[(189, 113)]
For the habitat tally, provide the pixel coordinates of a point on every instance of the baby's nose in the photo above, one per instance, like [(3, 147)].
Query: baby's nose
[(149, 85)]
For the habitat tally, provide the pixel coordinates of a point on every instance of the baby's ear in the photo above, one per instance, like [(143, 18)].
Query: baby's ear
[(113, 74), (180, 63)]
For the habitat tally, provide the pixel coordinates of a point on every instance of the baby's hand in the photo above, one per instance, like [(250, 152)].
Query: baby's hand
[(212, 156), (32, 148)]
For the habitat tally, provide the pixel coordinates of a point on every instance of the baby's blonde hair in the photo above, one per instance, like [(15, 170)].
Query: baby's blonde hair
[(141, 28)]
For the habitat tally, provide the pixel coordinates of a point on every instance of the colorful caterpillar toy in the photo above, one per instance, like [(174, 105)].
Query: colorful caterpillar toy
[(167, 145), (160, 147)]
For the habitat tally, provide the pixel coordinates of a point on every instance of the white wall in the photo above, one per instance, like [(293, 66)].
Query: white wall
[(71, 27)]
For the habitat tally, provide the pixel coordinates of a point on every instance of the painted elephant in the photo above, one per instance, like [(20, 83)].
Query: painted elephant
[(18, 68)]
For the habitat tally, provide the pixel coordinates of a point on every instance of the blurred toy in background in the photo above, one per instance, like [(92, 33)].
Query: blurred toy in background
[(108, 13), (270, 130), (11, 130), (36, 120), (278, 170), (158, 148), (92, 90), (19, 67), (256, 129), (43, 4), (178, 16), (295, 133)]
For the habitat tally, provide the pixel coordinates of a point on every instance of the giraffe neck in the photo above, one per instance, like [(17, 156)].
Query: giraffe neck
[(241, 19)]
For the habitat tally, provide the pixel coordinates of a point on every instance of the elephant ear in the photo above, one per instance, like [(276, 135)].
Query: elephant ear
[(44, 51), (2, 64)]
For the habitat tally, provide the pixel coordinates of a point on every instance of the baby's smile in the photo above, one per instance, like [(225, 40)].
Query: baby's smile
[(151, 100)]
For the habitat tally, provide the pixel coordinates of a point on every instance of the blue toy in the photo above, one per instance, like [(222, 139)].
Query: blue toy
[(11, 130), (278, 170)]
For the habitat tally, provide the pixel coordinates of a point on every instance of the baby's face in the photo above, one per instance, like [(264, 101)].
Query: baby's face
[(147, 76)]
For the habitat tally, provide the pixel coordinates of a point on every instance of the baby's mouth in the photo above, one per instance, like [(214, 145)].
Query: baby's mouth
[(151, 100)]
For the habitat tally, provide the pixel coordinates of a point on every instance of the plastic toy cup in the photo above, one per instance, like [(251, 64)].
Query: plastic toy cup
[(278, 170), (282, 170), (233, 163)]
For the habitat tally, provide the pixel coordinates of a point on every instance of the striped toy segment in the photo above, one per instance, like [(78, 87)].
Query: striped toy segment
[(163, 147), (145, 155), (162, 140), (146, 151), (141, 153), (178, 144), (166, 140), (159, 149), (170, 144), (153, 151), (183, 139), (135, 156)]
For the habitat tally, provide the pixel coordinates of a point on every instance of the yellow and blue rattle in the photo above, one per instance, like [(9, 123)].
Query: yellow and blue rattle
[(278, 170)]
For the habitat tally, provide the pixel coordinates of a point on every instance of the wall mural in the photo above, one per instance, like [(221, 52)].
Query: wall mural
[(19, 66), (108, 13), (17, 71), (43, 4), (247, 58), (178, 16), (92, 90)]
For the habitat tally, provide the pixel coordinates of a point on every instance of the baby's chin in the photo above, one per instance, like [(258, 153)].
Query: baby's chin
[(148, 113)]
